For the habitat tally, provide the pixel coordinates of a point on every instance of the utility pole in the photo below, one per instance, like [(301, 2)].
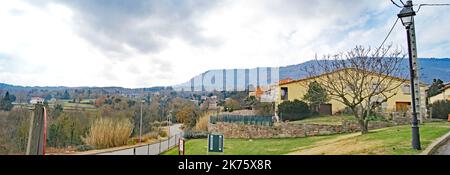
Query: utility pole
[(140, 125), (168, 130), (36, 137), (407, 16)]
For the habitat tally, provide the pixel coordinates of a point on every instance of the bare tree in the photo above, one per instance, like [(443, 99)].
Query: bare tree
[(362, 78)]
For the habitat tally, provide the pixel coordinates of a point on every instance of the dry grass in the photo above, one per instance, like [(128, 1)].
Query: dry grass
[(386, 141), (202, 122), (108, 132)]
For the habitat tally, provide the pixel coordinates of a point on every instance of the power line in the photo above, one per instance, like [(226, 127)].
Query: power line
[(396, 4), (420, 5), (387, 36)]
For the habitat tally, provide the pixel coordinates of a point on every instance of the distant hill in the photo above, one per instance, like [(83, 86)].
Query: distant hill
[(430, 68), (102, 90)]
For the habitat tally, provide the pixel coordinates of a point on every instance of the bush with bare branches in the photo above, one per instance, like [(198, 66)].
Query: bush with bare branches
[(362, 78)]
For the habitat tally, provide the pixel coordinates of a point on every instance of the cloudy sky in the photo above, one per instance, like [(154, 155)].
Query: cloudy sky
[(144, 43)]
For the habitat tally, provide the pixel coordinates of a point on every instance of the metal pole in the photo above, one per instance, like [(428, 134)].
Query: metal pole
[(411, 48), (30, 134), (140, 127)]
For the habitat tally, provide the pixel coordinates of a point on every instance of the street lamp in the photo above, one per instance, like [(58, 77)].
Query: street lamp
[(406, 15)]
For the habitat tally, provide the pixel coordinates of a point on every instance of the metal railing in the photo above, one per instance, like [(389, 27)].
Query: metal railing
[(150, 149)]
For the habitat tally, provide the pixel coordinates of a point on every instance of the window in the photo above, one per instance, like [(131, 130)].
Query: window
[(406, 89), (284, 93)]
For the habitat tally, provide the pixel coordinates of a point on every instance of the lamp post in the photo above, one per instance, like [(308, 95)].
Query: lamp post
[(406, 15)]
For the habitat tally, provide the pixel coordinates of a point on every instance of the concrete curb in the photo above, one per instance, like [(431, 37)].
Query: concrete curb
[(436, 144)]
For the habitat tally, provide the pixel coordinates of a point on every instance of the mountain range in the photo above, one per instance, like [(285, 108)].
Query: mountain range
[(430, 68)]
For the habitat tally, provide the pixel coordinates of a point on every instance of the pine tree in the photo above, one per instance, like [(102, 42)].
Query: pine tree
[(435, 88), (6, 102), (316, 96)]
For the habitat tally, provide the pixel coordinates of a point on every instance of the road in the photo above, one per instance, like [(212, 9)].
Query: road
[(152, 149), (444, 149), (175, 129)]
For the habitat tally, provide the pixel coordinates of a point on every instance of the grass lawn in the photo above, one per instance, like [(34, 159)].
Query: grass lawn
[(386, 141), (251, 147), (330, 120)]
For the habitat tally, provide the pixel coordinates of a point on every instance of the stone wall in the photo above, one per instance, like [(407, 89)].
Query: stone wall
[(285, 130)]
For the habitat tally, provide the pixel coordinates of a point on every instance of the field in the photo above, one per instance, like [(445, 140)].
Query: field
[(68, 105), (386, 141)]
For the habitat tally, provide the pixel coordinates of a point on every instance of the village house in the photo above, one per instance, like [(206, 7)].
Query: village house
[(444, 95), (399, 102), (36, 100)]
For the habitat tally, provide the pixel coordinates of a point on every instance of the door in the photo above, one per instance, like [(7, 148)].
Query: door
[(325, 109), (402, 106)]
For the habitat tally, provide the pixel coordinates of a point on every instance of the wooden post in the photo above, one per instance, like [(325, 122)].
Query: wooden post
[(36, 133)]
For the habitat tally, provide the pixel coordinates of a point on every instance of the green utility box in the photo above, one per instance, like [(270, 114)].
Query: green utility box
[(215, 143)]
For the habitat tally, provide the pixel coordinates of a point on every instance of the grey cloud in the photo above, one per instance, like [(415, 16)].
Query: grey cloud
[(15, 12), (145, 25)]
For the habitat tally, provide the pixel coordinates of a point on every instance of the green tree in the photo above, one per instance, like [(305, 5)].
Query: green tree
[(66, 95), (250, 102), (188, 115), (316, 95), (435, 88), (68, 129), (6, 102)]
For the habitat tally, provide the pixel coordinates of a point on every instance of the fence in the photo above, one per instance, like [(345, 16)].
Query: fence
[(149, 149), (242, 119)]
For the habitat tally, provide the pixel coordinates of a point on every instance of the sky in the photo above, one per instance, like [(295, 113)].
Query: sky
[(144, 43)]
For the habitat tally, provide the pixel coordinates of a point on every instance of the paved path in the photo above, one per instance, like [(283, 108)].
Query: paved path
[(175, 129), (152, 149), (444, 149)]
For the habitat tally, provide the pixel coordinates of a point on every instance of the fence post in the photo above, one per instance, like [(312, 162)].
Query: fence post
[(159, 146)]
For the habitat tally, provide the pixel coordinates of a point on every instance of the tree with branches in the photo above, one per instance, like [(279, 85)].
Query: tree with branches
[(362, 79)]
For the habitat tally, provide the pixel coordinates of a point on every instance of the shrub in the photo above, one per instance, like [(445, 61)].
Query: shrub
[(377, 117), (202, 122), (108, 132), (150, 136), (231, 105), (189, 134), (14, 127), (162, 133), (85, 147), (440, 109), (293, 110), (264, 108)]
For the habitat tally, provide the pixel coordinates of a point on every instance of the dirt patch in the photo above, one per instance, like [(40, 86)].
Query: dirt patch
[(346, 144)]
